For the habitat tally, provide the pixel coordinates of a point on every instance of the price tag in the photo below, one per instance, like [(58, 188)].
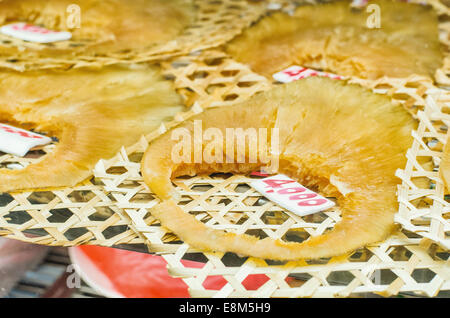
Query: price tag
[(33, 33), (363, 3), (359, 3), (18, 142), (295, 73), (259, 174), (291, 195)]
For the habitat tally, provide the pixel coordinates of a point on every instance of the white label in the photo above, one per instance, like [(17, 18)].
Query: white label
[(18, 142), (291, 195), (259, 174), (33, 33), (359, 3), (274, 6), (295, 73), (363, 3)]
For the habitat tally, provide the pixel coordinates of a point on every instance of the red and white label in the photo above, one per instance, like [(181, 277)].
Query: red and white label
[(259, 174), (33, 33), (18, 142), (291, 195), (295, 73), (363, 3)]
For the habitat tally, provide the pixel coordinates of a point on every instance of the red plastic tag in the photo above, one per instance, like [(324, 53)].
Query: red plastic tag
[(291, 195), (33, 33), (295, 73), (18, 142)]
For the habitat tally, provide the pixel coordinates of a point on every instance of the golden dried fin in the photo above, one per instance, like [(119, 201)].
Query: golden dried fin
[(384, 41), (326, 128), (444, 166), (93, 114)]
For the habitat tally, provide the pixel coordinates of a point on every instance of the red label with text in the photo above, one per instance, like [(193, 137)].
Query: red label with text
[(291, 195), (18, 142), (295, 73), (34, 33)]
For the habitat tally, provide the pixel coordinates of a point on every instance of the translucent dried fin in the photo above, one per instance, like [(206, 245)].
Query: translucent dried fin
[(93, 114), (444, 167), (364, 161), (372, 43)]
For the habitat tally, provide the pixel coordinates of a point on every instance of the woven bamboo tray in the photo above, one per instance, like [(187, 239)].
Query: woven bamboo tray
[(113, 206)]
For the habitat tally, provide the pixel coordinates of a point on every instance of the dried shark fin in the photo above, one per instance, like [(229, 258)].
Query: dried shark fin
[(367, 43), (93, 114), (444, 166), (341, 139)]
